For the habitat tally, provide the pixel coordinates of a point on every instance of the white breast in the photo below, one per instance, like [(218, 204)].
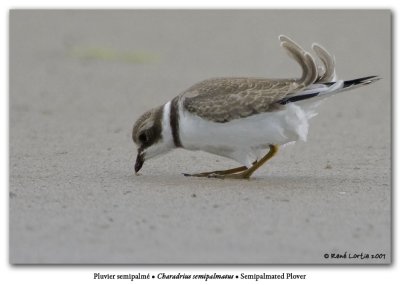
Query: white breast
[(244, 139)]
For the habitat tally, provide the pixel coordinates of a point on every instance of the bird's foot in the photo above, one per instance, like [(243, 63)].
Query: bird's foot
[(204, 174), (217, 173), (239, 172), (240, 175), (223, 174)]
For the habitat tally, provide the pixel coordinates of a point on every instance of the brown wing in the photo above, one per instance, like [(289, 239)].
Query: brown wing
[(224, 99)]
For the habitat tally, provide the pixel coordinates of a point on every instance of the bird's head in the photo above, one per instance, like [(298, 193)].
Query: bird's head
[(148, 135)]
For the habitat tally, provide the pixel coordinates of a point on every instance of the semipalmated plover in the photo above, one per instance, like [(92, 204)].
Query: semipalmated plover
[(241, 117)]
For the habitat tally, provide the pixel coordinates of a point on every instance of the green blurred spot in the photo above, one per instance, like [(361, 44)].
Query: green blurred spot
[(114, 55)]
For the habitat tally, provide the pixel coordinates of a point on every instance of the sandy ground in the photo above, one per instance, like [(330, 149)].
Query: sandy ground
[(79, 80)]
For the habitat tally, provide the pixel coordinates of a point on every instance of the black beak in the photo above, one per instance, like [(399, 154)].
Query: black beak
[(139, 160)]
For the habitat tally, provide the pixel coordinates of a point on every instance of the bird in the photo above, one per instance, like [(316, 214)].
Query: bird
[(246, 119)]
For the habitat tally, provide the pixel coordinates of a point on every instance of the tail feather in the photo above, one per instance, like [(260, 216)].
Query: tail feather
[(360, 81), (330, 88)]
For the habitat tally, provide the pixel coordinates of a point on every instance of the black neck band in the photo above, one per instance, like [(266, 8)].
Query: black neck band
[(174, 122)]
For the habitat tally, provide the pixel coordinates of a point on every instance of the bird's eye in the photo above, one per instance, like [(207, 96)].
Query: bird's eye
[(143, 138)]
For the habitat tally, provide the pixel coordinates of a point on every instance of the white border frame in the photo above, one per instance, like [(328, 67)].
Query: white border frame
[(324, 274)]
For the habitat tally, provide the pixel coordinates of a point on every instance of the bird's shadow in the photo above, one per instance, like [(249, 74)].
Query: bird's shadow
[(259, 181)]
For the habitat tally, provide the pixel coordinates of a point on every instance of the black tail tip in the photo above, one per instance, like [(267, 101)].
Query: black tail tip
[(370, 79), (362, 80)]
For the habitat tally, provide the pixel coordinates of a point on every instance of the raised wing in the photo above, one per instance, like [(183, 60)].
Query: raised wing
[(224, 99)]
